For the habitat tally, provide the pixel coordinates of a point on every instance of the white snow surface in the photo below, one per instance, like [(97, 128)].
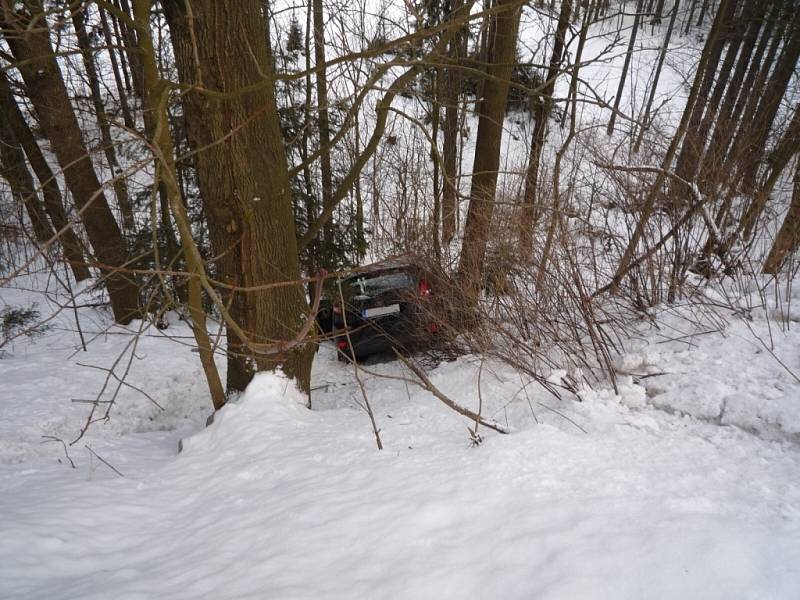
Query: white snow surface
[(611, 497)]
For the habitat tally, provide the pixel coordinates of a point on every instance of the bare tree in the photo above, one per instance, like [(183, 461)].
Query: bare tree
[(502, 36)]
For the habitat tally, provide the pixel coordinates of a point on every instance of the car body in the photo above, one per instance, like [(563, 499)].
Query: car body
[(385, 306)]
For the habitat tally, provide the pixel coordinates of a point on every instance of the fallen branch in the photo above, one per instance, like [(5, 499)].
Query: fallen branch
[(428, 385)]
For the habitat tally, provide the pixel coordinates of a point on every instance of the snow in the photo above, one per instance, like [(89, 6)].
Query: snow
[(616, 498)]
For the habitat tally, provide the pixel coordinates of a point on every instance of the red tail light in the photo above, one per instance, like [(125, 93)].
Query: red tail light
[(337, 310), (424, 287), (341, 344)]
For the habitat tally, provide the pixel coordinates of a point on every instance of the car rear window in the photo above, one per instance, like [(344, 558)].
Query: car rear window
[(370, 285)]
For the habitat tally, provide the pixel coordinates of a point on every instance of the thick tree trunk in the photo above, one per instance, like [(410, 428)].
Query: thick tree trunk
[(541, 114), (501, 57), (30, 45), (243, 178), (53, 202), (120, 188)]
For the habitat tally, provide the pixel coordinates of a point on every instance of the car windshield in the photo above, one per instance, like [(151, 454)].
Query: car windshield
[(376, 284)]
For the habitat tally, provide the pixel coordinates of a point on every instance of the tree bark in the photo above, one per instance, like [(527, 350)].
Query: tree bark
[(501, 56), (130, 40), (30, 44), (747, 105), (779, 158), (243, 178)]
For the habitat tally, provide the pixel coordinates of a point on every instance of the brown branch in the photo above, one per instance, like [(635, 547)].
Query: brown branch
[(428, 385)]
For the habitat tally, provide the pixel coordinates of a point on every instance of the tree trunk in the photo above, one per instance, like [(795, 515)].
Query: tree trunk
[(693, 143), (501, 57), (745, 25), (644, 123), (166, 178), (121, 88), (452, 88), (788, 239), (755, 141), (747, 68), (53, 202), (129, 38), (541, 114), (322, 116), (243, 178), (37, 64), (747, 108), (690, 18), (625, 65), (703, 11), (14, 170), (436, 112), (87, 52), (309, 197), (779, 158)]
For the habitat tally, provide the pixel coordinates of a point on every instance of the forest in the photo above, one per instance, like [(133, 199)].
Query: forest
[(437, 297)]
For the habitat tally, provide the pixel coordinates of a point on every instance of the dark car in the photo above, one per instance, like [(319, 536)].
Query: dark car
[(386, 307)]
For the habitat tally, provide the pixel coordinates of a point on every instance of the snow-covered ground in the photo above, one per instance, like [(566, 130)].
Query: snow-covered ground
[(685, 485)]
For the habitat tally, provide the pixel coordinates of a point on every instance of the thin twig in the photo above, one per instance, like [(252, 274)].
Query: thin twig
[(103, 460)]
